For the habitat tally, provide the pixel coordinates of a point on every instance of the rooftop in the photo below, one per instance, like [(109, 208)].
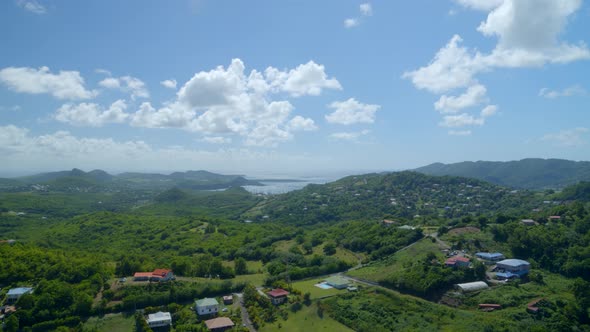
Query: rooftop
[(19, 291), (457, 259), (219, 323), (337, 280), (206, 302), (159, 316), (278, 292), (514, 262)]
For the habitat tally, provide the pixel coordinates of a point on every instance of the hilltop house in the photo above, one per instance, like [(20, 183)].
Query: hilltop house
[(156, 275), (278, 296), (457, 261), (15, 293), (207, 306), (219, 324), (388, 223), (159, 319), (528, 222)]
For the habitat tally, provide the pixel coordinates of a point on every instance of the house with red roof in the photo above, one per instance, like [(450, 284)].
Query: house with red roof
[(457, 261), (278, 296), (156, 275)]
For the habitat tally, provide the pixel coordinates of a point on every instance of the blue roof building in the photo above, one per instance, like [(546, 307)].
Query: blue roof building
[(492, 257), (514, 266)]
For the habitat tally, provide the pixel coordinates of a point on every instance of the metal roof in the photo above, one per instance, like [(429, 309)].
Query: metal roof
[(20, 291), (513, 262), (206, 302), (472, 286), (159, 316)]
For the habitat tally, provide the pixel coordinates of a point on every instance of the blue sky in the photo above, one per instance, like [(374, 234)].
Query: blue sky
[(290, 86)]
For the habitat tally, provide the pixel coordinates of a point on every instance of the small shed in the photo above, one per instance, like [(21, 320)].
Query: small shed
[(471, 286), (228, 299)]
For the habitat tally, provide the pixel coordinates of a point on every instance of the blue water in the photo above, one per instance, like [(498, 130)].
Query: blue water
[(273, 188)]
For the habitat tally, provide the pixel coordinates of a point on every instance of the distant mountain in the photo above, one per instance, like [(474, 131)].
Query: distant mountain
[(99, 180), (526, 173)]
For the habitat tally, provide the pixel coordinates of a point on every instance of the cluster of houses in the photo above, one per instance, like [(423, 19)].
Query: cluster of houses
[(205, 308)]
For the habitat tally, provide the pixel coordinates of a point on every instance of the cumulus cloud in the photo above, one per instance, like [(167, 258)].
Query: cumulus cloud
[(351, 112), (461, 120), (227, 101), (366, 9), (32, 5), (128, 84), (568, 138), (489, 111), (474, 95), (349, 136), (63, 85), (459, 132), (351, 22), (91, 114), (170, 84), (528, 35), (575, 90)]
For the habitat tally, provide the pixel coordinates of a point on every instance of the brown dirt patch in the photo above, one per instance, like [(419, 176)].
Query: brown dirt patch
[(464, 230)]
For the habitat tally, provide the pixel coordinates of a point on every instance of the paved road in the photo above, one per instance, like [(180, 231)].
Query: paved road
[(245, 317)]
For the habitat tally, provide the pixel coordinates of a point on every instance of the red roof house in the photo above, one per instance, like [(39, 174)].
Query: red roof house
[(457, 261), (156, 275), (278, 295)]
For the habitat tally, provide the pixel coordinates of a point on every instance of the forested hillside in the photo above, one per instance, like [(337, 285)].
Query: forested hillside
[(526, 173)]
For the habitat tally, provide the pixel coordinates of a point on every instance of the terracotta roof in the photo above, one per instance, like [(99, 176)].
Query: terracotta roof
[(278, 292), (161, 272), (532, 306), (456, 259), (142, 274), (554, 217), (219, 323)]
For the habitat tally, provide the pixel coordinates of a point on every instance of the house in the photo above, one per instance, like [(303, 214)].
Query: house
[(490, 257), (159, 319), (388, 223), (207, 306), (471, 286), (156, 275), (15, 293), (219, 324), (277, 296), (528, 222), (554, 218), (489, 306), (407, 227), (457, 261), (338, 282), (532, 306), (513, 267), (228, 299)]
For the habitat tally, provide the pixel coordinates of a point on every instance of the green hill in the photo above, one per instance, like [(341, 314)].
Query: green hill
[(406, 195), (526, 173)]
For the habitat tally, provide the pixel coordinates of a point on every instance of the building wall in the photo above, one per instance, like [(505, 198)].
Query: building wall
[(207, 310), (160, 323)]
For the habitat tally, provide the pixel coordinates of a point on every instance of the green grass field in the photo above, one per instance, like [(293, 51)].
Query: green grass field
[(306, 320), (316, 292), (111, 323)]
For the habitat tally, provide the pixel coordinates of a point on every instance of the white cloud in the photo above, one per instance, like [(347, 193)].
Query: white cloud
[(32, 5), (128, 84), (64, 85), (366, 9), (459, 132), (351, 22), (349, 136), (461, 120), (474, 95), (568, 138), (351, 112), (216, 139), (489, 111), (103, 71), (226, 101), (483, 5), (170, 84), (528, 35), (91, 114), (24, 152), (300, 123), (575, 90)]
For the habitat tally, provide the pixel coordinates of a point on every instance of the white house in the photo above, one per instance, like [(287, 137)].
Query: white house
[(15, 294), (159, 319), (207, 306)]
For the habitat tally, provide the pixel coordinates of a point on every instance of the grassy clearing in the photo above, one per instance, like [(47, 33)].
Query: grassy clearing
[(111, 323), (394, 264), (316, 292), (306, 320)]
